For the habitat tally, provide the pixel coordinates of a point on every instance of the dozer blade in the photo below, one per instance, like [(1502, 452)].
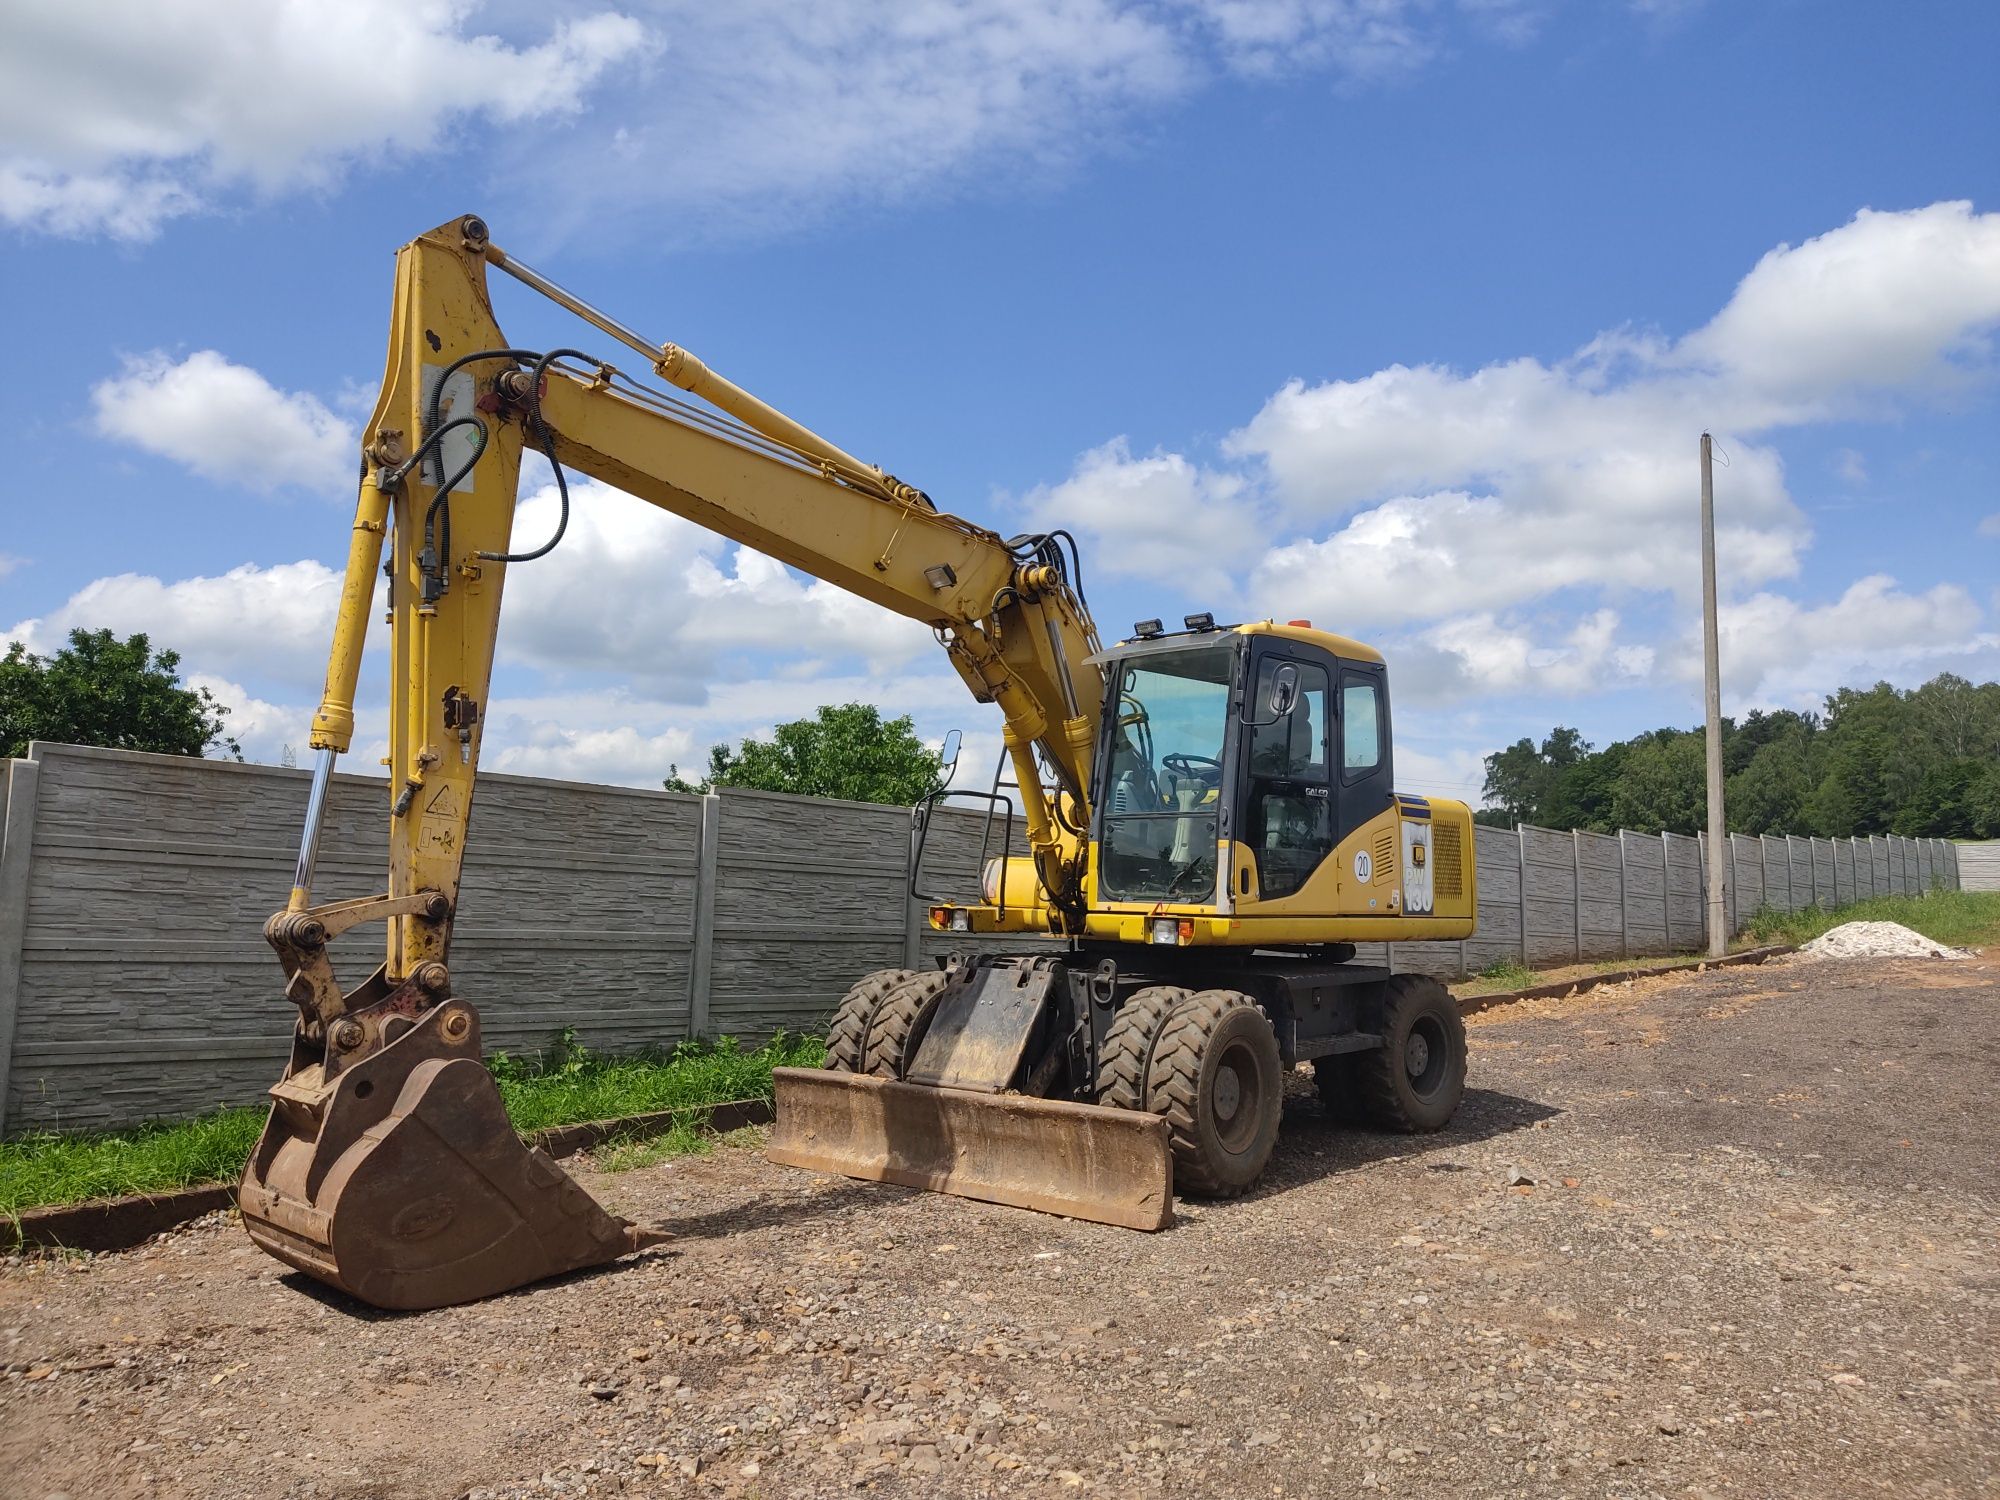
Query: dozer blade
[(402, 1182), (1112, 1166)]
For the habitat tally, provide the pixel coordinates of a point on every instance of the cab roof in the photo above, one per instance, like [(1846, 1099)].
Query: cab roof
[(1345, 647)]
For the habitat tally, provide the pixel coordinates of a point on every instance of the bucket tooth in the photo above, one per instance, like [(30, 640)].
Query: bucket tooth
[(1111, 1166), (402, 1182)]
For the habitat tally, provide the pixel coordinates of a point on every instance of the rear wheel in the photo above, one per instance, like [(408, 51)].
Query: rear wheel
[(847, 1037), (1414, 1081), (1208, 1062)]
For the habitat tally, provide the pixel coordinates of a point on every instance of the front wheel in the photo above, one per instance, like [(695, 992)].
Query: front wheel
[(1208, 1062), (1414, 1082)]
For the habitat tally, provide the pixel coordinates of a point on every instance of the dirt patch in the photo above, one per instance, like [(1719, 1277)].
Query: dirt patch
[(1729, 1233)]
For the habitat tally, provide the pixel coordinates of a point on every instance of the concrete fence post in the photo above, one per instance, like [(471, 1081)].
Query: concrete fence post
[(17, 839), (1521, 846), (702, 970), (1667, 888), (1701, 874), (1624, 900), (1576, 889)]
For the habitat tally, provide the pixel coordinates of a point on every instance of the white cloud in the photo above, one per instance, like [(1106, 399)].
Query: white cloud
[(1419, 493), (1887, 300), (1851, 465), (1776, 651), (1151, 516), (1990, 526), (262, 730), (629, 735), (8, 563), (636, 591), (228, 423), (617, 756), (271, 623), (1483, 654), (1360, 38), (118, 115)]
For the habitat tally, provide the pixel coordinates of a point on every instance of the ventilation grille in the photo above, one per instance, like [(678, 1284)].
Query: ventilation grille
[(1385, 857), (1447, 862)]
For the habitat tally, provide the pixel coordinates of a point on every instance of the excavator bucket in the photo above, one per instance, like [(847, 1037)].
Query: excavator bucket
[(1111, 1166), (400, 1180)]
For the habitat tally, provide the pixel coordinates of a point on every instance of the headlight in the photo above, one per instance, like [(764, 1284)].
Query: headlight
[(1166, 930), (961, 920)]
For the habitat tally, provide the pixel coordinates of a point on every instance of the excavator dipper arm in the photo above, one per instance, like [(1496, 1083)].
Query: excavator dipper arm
[(388, 1166)]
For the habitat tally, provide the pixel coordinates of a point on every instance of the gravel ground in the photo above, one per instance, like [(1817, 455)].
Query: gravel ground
[(1721, 1234)]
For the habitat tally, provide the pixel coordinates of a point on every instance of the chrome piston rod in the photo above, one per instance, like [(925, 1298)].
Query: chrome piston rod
[(302, 876)]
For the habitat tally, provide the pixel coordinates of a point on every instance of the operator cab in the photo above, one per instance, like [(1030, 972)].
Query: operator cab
[(1272, 737)]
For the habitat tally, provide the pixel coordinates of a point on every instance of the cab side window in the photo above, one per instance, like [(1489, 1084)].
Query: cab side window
[(1360, 725)]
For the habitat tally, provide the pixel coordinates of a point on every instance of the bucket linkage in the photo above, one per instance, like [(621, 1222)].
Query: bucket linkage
[(388, 1166)]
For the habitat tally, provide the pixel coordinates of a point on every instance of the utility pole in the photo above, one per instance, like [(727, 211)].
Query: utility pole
[(1718, 828)]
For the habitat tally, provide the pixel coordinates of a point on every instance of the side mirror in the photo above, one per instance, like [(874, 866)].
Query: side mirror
[(948, 757), (1284, 690), (1261, 711)]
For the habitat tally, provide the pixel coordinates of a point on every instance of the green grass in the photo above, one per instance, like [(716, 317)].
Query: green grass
[(1506, 974), (1958, 919), (43, 1169), (563, 1085), (567, 1083)]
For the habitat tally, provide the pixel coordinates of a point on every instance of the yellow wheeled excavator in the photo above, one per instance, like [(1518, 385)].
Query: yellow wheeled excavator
[(1210, 823)]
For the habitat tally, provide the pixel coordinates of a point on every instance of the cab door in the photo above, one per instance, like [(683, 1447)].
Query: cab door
[(1286, 786)]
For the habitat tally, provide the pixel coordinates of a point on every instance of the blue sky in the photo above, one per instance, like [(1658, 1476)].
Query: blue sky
[(1401, 314)]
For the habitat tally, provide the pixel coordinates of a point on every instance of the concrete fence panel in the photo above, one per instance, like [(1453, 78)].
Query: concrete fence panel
[(1548, 899), (1799, 866), (1645, 868), (1497, 935), (804, 906), (1685, 898), (1601, 893)]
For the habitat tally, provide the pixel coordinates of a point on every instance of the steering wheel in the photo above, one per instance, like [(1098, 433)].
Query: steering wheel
[(1202, 767)]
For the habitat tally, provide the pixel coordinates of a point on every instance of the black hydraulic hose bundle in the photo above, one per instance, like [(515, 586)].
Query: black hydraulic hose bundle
[(436, 555)]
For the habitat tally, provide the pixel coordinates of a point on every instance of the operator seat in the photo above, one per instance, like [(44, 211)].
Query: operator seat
[(1289, 824)]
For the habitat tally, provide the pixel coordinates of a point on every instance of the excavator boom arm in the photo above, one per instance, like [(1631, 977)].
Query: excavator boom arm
[(387, 1166), (457, 402)]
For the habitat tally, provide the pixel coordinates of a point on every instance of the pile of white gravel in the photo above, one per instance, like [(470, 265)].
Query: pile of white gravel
[(1877, 940)]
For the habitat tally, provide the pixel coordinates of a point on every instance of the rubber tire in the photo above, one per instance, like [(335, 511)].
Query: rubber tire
[(1126, 1057), (1388, 1097), (900, 1021), (847, 1035), (1162, 1054)]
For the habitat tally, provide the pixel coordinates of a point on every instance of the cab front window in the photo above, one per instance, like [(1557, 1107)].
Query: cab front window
[(1163, 790)]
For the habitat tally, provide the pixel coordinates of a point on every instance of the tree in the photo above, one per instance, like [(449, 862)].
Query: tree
[(1773, 790), (1663, 784), (1922, 762), (99, 690), (847, 751), (1520, 779)]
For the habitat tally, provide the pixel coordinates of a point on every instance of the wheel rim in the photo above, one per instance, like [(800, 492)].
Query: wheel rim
[(1236, 1097), (1426, 1056), (1228, 1093)]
